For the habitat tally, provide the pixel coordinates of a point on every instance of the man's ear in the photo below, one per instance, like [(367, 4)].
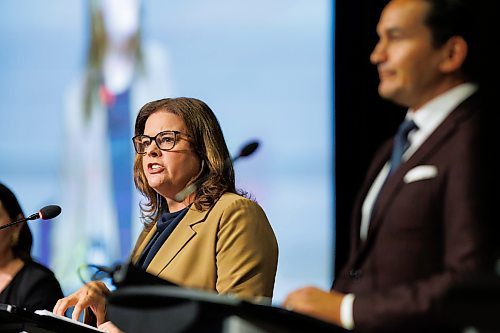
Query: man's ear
[(454, 54)]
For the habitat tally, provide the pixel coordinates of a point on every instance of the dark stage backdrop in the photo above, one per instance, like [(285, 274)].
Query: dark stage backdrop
[(363, 120)]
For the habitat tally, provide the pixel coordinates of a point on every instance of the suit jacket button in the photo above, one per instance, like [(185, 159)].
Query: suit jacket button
[(355, 274)]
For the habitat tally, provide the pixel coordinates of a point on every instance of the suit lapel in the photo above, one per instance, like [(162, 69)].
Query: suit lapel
[(174, 244), (394, 184), (379, 161)]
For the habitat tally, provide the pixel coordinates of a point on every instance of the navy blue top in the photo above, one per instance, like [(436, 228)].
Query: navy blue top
[(165, 225)]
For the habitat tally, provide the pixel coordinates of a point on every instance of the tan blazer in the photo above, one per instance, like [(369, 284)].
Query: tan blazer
[(230, 248)]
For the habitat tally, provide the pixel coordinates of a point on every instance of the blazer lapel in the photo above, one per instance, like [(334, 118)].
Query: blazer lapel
[(143, 240), (174, 244)]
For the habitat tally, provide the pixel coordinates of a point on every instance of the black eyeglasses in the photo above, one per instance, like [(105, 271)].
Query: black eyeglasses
[(165, 140)]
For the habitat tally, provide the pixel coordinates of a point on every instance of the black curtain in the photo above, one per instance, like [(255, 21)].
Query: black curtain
[(363, 120)]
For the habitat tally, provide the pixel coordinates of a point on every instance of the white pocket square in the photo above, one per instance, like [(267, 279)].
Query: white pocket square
[(421, 172)]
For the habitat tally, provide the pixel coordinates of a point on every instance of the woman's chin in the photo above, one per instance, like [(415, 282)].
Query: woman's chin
[(163, 189)]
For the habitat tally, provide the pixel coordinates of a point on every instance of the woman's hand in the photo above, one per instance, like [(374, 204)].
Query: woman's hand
[(109, 328), (92, 295)]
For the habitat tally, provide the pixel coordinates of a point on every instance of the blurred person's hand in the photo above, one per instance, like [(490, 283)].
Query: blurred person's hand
[(316, 303)]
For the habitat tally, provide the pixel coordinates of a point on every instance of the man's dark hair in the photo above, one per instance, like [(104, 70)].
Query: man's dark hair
[(448, 18)]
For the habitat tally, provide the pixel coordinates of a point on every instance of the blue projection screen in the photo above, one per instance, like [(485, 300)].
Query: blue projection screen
[(263, 66)]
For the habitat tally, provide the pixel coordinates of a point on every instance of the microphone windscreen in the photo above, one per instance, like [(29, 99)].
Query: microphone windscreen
[(249, 149), (49, 212)]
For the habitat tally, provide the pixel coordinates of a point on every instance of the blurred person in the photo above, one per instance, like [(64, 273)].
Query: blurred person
[(122, 73), (23, 282), (417, 227), (199, 231)]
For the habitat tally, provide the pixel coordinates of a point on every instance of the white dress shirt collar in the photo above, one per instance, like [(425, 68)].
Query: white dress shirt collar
[(433, 113)]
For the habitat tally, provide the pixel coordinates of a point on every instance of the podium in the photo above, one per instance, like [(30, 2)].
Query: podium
[(15, 320), (172, 309)]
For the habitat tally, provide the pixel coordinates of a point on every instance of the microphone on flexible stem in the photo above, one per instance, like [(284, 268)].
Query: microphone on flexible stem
[(46, 213), (247, 150)]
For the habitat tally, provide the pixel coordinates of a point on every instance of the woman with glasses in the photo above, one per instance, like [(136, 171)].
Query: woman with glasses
[(23, 282), (199, 231)]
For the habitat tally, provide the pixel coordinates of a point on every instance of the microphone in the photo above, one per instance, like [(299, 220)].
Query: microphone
[(247, 150), (46, 213)]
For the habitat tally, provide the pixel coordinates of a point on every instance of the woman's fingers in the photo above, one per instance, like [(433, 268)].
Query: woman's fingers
[(91, 295), (79, 307), (100, 313), (109, 327), (63, 304)]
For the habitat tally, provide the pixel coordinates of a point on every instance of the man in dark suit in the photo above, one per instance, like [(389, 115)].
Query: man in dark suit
[(416, 227)]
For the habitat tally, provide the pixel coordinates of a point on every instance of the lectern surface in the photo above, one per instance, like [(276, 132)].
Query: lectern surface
[(158, 309), (15, 319)]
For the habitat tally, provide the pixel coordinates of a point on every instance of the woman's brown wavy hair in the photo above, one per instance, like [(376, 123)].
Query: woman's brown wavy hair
[(217, 175)]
